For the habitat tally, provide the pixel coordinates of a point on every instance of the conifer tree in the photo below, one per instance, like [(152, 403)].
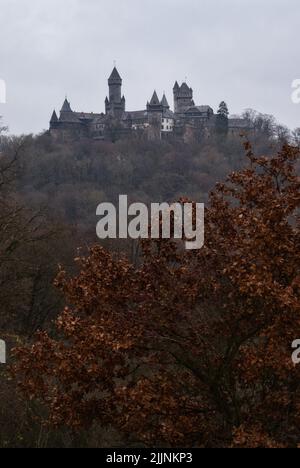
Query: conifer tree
[(222, 118)]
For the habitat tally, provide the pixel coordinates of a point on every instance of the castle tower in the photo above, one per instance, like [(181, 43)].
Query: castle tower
[(66, 112), (155, 113), (115, 86), (164, 103), (115, 104), (54, 121), (175, 92), (155, 104), (183, 98)]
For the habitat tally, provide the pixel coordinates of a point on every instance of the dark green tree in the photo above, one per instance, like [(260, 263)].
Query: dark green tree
[(222, 119)]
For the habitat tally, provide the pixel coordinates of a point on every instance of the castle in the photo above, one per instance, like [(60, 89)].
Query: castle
[(157, 121)]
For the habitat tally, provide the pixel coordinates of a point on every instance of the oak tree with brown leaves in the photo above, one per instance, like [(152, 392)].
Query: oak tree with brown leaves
[(189, 348)]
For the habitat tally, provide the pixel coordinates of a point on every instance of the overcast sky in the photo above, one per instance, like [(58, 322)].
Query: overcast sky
[(246, 52)]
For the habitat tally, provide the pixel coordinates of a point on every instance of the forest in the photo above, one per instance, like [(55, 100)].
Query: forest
[(141, 343)]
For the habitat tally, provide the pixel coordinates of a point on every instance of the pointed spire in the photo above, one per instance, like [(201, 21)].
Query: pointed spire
[(164, 102), (154, 101), (115, 76), (176, 86), (54, 118), (66, 106)]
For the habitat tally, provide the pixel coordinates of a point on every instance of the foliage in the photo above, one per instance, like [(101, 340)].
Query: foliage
[(222, 119), (187, 348)]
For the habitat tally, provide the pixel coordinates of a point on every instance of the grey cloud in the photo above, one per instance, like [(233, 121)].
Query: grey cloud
[(243, 51)]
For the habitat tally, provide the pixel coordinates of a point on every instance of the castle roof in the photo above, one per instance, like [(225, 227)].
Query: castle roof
[(200, 109), (115, 76), (154, 100), (66, 106), (100, 118), (176, 86), (87, 115), (184, 86), (54, 118), (169, 114), (138, 115), (164, 102), (184, 89)]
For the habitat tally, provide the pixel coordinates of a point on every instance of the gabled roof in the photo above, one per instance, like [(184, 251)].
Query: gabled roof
[(86, 115), (138, 115), (199, 109), (99, 118), (168, 114)]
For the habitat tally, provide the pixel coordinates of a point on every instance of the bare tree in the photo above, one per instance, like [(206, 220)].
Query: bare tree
[(296, 136)]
